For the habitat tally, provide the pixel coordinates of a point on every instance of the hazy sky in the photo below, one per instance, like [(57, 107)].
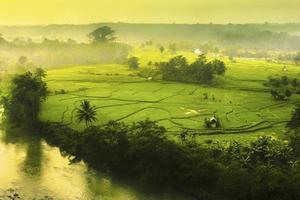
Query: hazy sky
[(164, 11)]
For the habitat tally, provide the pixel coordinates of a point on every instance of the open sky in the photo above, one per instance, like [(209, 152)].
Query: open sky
[(147, 11)]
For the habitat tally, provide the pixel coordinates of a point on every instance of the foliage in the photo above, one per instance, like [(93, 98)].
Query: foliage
[(133, 62), (86, 113), (143, 152), (200, 71), (283, 87), (103, 34), (294, 126), (22, 105)]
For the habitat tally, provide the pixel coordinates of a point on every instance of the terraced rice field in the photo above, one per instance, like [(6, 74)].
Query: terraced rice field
[(240, 100)]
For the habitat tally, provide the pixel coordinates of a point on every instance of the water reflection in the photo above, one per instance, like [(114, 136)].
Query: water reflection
[(35, 169), (31, 165)]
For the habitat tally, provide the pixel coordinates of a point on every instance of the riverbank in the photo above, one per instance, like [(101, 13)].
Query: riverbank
[(34, 170), (142, 152)]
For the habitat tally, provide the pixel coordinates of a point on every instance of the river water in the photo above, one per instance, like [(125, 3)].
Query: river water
[(35, 170)]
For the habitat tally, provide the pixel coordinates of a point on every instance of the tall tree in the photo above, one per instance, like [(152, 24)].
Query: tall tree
[(133, 62), (103, 34), (86, 113), (297, 58), (23, 103), (161, 49), (219, 67)]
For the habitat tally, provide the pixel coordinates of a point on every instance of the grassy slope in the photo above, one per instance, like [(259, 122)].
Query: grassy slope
[(241, 101)]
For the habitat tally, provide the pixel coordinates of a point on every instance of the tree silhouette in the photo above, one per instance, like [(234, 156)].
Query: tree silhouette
[(86, 113), (161, 49), (103, 34), (133, 62)]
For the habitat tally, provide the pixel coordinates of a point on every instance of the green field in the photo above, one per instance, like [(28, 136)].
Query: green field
[(240, 99)]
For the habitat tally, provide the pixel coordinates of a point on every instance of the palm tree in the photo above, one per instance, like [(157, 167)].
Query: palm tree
[(86, 113)]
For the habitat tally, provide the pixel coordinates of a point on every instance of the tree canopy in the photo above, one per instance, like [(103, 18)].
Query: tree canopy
[(103, 34), (200, 71), (133, 62), (86, 113), (23, 103)]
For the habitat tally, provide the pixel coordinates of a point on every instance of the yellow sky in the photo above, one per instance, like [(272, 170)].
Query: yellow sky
[(147, 11)]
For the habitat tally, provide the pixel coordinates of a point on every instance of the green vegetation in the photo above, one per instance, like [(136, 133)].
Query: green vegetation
[(103, 34), (86, 113), (240, 99), (133, 63), (214, 125), (22, 105), (143, 152), (200, 71), (266, 169)]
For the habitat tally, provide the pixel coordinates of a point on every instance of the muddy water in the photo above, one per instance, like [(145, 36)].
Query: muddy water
[(35, 170)]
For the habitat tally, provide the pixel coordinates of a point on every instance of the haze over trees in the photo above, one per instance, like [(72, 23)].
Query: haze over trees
[(133, 62), (103, 34), (53, 52), (265, 36), (297, 58)]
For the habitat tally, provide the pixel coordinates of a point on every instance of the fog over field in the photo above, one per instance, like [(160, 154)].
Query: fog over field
[(149, 100)]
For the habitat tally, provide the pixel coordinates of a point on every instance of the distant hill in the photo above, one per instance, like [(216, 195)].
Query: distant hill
[(261, 36)]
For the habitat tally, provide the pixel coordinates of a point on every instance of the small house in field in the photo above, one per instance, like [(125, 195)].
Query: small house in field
[(213, 122), (198, 52)]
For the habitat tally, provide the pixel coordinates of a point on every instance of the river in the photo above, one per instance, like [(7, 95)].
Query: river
[(34, 170)]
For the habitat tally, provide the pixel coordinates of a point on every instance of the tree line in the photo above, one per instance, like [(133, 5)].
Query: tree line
[(283, 87), (101, 48)]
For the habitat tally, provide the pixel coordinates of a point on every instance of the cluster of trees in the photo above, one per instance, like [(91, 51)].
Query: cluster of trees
[(23, 102), (286, 56), (283, 87), (266, 169), (201, 71)]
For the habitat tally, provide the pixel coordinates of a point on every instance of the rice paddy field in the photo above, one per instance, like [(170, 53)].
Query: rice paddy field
[(241, 101)]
